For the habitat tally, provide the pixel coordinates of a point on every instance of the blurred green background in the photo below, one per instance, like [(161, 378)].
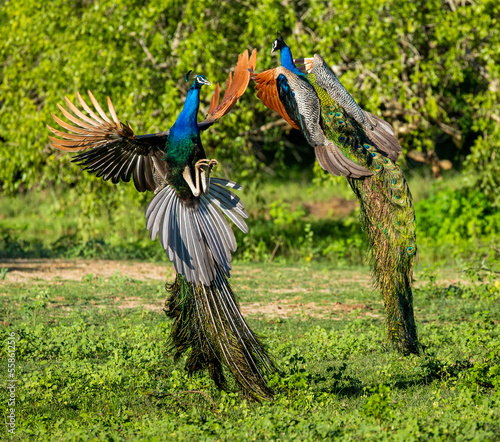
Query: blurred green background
[(430, 68)]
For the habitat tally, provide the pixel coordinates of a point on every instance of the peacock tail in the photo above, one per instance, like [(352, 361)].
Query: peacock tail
[(199, 240), (388, 219), (207, 320), (387, 216)]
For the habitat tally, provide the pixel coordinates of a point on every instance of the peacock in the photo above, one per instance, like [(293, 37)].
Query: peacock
[(363, 148), (188, 214)]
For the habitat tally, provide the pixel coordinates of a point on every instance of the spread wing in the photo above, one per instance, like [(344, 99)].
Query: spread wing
[(235, 87), (267, 91), (379, 132), (112, 149), (297, 100)]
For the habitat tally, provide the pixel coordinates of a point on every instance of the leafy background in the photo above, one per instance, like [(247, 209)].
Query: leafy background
[(90, 369), (429, 67)]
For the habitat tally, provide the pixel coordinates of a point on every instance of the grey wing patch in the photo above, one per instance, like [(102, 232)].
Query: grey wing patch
[(336, 90), (302, 103), (331, 159), (197, 237), (380, 133)]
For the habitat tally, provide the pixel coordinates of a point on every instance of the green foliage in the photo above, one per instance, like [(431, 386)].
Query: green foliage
[(461, 221), (483, 165), (378, 404), (454, 222), (431, 68), (94, 367), (487, 374)]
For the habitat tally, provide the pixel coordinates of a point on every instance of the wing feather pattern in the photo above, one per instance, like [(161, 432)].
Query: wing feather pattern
[(114, 151), (380, 133), (384, 137), (267, 91)]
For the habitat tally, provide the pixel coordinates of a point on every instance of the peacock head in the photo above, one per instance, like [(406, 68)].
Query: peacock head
[(278, 44), (199, 80)]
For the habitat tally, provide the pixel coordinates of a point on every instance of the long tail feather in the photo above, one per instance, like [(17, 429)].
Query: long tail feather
[(388, 217), (207, 320)]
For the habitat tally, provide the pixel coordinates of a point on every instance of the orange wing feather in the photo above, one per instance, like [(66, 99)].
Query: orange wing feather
[(235, 87), (268, 93), (90, 132)]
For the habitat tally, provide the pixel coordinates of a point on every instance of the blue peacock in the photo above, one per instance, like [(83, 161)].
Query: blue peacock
[(188, 214), (363, 148)]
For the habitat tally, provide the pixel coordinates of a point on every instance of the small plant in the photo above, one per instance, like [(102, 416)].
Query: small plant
[(486, 374), (3, 273), (378, 405)]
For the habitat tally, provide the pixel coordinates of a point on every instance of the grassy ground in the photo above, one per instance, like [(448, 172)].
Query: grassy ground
[(295, 221), (92, 361)]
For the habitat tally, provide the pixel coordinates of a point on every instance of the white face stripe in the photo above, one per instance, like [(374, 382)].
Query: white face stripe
[(200, 79)]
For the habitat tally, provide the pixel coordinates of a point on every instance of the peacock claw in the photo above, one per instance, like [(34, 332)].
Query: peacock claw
[(205, 174), (202, 171), (213, 162)]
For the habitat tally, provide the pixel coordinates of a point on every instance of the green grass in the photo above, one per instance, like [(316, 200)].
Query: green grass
[(92, 360), (295, 221)]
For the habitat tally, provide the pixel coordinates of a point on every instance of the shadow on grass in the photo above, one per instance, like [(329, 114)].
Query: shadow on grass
[(340, 383)]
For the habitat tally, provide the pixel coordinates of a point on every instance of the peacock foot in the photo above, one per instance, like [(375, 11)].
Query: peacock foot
[(205, 173), (202, 170)]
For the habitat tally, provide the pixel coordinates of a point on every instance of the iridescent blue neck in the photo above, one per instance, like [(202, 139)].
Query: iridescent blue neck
[(186, 122), (287, 60)]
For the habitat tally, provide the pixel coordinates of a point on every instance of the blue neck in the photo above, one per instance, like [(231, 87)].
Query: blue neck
[(287, 61), (186, 123)]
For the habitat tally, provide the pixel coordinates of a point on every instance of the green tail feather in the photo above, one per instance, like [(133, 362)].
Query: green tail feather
[(388, 219), (207, 320), (387, 216)]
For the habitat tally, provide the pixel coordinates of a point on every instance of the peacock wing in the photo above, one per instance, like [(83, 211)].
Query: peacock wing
[(379, 132), (335, 89), (112, 149), (236, 85), (300, 100), (267, 91), (383, 137)]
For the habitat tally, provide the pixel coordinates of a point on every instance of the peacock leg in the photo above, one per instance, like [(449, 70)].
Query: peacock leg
[(195, 187), (205, 177)]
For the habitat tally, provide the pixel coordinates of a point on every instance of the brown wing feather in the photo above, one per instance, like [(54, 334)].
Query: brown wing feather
[(383, 136), (268, 93), (235, 87), (91, 132), (113, 151)]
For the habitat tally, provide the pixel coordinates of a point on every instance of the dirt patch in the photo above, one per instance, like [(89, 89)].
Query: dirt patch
[(23, 270), (334, 207), (287, 308), (135, 302)]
